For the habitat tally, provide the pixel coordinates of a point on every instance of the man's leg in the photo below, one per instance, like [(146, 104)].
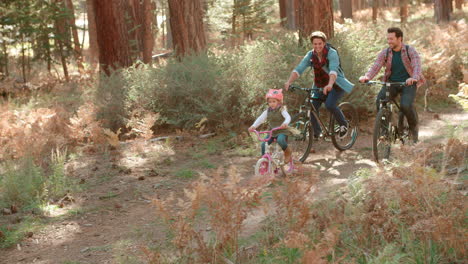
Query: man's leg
[(408, 94), (332, 105), (380, 95)]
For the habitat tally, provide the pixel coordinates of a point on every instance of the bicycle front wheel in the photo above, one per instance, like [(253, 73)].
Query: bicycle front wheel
[(301, 144), (263, 167), (382, 137), (343, 140)]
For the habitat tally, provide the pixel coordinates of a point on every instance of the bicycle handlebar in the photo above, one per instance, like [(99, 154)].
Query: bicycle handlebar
[(386, 83), (292, 88), (270, 132)]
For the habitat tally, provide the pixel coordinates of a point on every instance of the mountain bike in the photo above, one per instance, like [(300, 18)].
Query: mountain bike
[(272, 161), (390, 125), (342, 140)]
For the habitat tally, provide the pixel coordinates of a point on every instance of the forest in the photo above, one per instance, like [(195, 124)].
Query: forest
[(124, 134)]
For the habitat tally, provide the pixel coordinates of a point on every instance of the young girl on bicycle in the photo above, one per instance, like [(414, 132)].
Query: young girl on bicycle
[(277, 116)]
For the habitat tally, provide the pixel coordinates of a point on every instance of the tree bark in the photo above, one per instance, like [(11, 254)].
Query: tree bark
[(346, 7), (375, 6), (283, 12), (148, 40), (188, 33), (442, 10), (291, 14), (76, 39), (403, 11), (92, 34), (112, 35), (5, 54), (61, 35), (459, 4), (312, 18)]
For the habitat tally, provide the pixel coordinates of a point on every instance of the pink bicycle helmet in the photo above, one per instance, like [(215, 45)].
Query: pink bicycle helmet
[(275, 94)]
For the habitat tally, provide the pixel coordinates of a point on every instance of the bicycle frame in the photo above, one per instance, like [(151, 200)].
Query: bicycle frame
[(389, 125), (388, 86), (270, 155), (272, 152), (308, 103), (388, 102)]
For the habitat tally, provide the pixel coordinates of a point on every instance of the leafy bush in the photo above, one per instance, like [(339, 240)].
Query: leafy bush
[(226, 87), (25, 184)]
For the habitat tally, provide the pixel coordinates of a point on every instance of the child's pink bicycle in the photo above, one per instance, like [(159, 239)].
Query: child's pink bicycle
[(272, 161)]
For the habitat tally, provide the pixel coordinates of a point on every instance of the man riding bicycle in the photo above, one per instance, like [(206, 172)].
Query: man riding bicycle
[(402, 64), (324, 60)]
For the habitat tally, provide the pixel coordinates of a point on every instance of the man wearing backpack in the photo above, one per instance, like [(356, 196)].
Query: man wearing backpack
[(328, 75), (402, 64)]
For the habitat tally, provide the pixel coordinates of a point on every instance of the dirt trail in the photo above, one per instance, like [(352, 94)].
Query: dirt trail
[(113, 217)]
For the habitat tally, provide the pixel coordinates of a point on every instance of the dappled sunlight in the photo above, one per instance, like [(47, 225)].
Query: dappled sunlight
[(137, 153)]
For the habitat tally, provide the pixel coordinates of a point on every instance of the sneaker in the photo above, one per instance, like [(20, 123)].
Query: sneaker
[(342, 131), (317, 137), (414, 135)]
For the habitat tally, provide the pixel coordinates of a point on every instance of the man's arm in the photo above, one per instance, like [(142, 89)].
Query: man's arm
[(415, 63), (379, 62), (296, 73)]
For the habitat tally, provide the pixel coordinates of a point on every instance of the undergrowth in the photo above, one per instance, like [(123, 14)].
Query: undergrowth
[(411, 212)]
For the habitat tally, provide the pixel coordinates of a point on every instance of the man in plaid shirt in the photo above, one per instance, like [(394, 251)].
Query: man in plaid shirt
[(402, 64)]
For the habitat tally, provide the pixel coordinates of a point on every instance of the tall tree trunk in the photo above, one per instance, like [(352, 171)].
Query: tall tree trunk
[(23, 59), (234, 28), (403, 11), (133, 21), (188, 33), (283, 12), (313, 18), (5, 54), (62, 38), (346, 7), (459, 4), (442, 10), (291, 14), (76, 39), (148, 40), (112, 35), (92, 34), (375, 9)]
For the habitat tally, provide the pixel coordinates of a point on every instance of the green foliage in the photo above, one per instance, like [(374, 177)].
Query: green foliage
[(26, 25), (58, 183), (186, 174), (27, 185), (110, 95), (225, 87), (23, 184), (247, 16), (16, 233), (357, 52)]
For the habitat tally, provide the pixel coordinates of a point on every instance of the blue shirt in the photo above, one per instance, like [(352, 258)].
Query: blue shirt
[(333, 67)]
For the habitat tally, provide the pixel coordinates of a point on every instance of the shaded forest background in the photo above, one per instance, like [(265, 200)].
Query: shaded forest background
[(84, 77)]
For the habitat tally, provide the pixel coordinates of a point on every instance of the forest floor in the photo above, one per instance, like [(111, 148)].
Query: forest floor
[(113, 217)]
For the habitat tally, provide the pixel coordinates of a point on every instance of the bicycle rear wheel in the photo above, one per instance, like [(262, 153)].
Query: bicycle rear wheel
[(347, 140), (382, 137), (301, 144)]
